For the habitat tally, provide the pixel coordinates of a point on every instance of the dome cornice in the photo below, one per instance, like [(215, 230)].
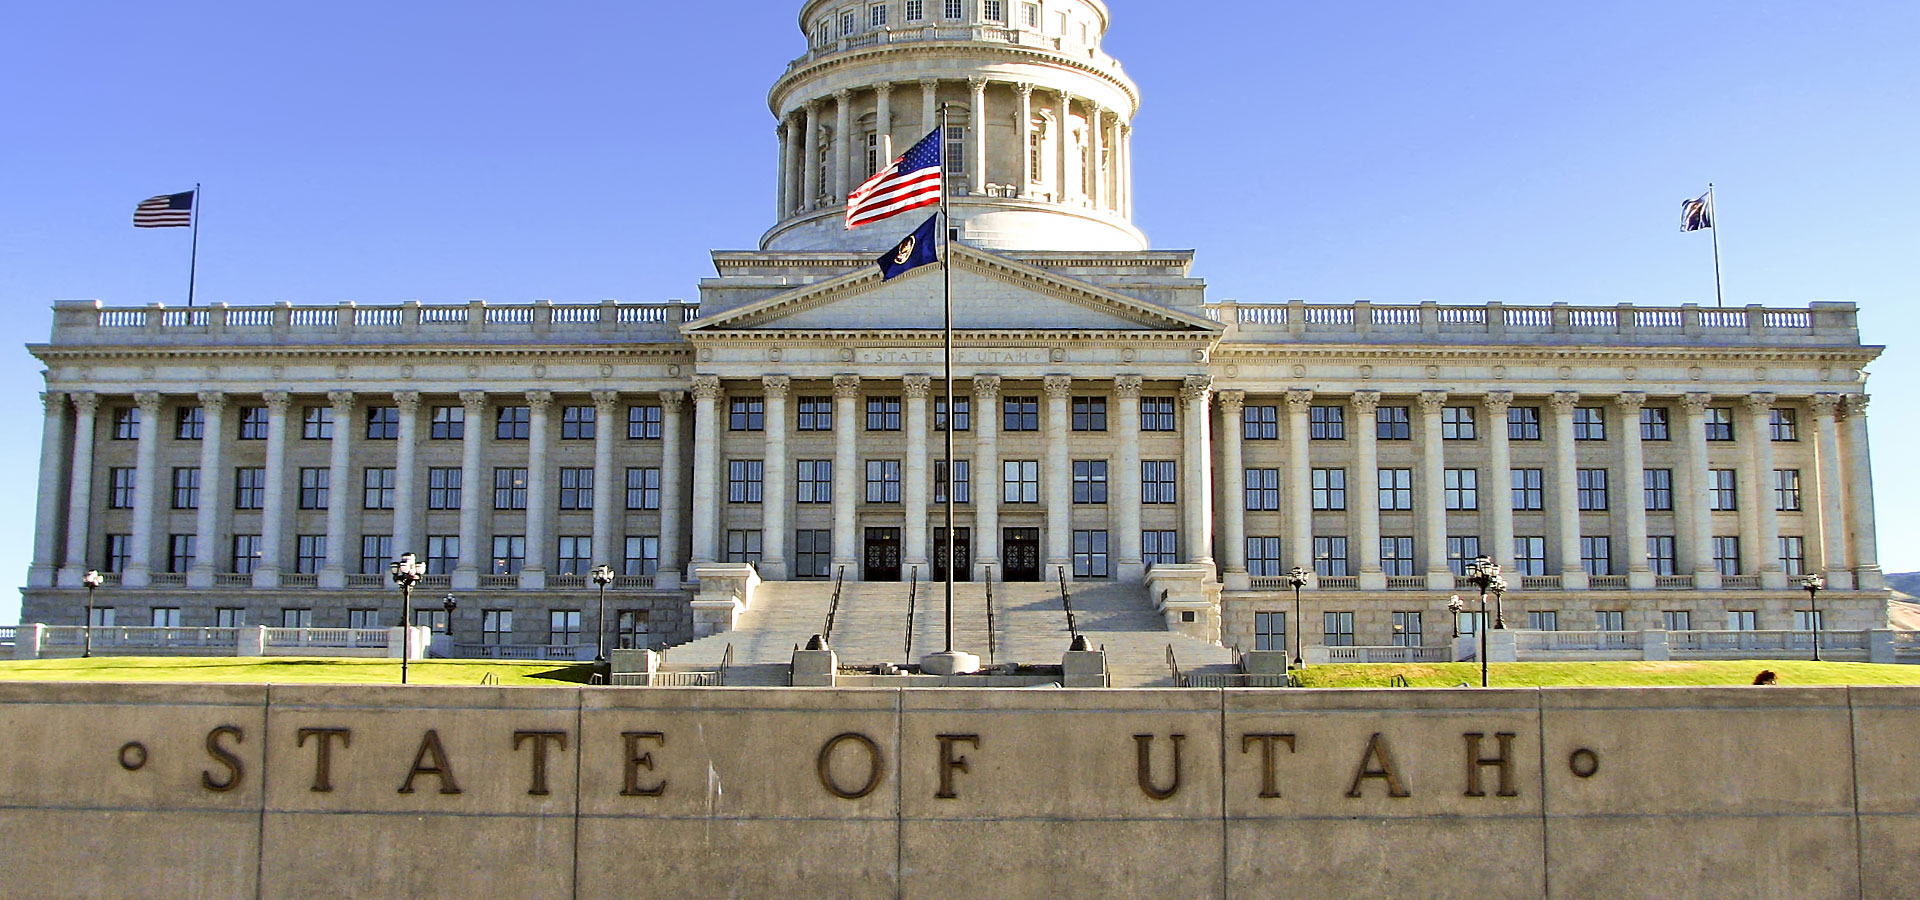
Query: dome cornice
[(988, 52)]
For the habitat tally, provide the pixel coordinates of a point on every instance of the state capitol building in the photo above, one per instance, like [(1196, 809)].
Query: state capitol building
[(1631, 468)]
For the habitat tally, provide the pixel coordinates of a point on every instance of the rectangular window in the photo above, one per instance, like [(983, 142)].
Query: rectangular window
[(1462, 488), (643, 487), (952, 10), (1329, 489), (1392, 423), (883, 481), (1659, 489), (1020, 481), (1462, 550), (916, 10), (1270, 631), (1589, 423), (1786, 490), (510, 423), (229, 617), (956, 158), (877, 15), (126, 423), (246, 553), (316, 423), (1156, 414), (642, 556), (443, 488), (643, 423), (180, 552), (314, 486), (296, 618), (378, 488), (1719, 423), (1407, 630), (1020, 413), (576, 488), (747, 414), (1263, 556), (443, 553), (743, 546), (1660, 554), (1396, 489), (1523, 423), (574, 556), (814, 480), (1089, 414), (812, 553), (1726, 554), (1793, 555), (1677, 620), (1743, 619), (963, 415), (1721, 495), (883, 413), (1396, 555), (1090, 554), (1157, 481), (249, 487), (1610, 619), (509, 554), (632, 630), (1456, 423), (1785, 424), (120, 487), (1653, 423), (310, 553), (846, 23), (1260, 423), (363, 618), (1596, 554), (745, 479), (509, 488), (119, 552), (1330, 556), (1530, 555), (1327, 423), (563, 627), (1263, 490), (1591, 488), (448, 423), (383, 423), (1809, 620), (1337, 627), (189, 423), (1090, 481), (1543, 620), (1527, 493), (813, 414), (253, 423), (496, 626), (993, 10), (963, 487), (578, 423), (1160, 547), (376, 551)]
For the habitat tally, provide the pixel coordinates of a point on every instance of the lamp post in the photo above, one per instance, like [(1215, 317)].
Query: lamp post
[(449, 603), (1298, 579), (407, 571), (92, 580), (602, 575), (1454, 606), (1813, 585), (1484, 574)]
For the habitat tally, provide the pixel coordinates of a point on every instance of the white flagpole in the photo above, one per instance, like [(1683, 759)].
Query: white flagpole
[(946, 272), (1713, 225)]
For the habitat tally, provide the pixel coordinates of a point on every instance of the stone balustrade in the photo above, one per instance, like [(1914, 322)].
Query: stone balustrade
[(1430, 322), (89, 323), (954, 33)]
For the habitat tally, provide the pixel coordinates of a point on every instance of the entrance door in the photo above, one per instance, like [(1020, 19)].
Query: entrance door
[(962, 548), (883, 555), (1020, 553)]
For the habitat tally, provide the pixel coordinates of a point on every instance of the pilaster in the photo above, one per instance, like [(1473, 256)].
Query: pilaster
[(213, 496), (1566, 492), (473, 486), (53, 458), (1363, 495), (846, 480), (1832, 493), (1759, 519), (1859, 468), (1197, 465), (1433, 498), (533, 575), (1631, 501), (273, 511), (706, 470)]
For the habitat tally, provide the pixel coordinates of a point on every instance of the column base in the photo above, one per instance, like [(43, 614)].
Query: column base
[(1706, 579), (1870, 578), (989, 569), (1134, 570), (1640, 579), (200, 577), (667, 579), (1773, 579), (334, 578), (41, 576), (464, 579), (1375, 580), (1573, 580), (926, 567), (267, 577), (69, 577), (772, 570), (136, 577), (1440, 579), (851, 565), (1054, 567), (1235, 578), (1841, 580), (533, 579)]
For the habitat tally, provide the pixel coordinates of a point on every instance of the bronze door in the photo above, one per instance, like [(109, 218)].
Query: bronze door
[(883, 555), (1020, 552), (962, 548)]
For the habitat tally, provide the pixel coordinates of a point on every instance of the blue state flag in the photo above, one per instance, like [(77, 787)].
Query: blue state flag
[(916, 250)]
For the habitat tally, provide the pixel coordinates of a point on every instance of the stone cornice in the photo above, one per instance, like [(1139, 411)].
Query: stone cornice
[(1521, 353), (907, 51), (932, 337), (665, 352)]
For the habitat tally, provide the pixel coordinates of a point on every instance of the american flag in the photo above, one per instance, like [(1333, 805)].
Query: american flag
[(165, 211), (911, 182)]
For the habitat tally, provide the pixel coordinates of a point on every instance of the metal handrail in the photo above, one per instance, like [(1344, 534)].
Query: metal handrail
[(833, 607), (1173, 665), (990, 640), (1073, 628), (913, 588), (726, 659)]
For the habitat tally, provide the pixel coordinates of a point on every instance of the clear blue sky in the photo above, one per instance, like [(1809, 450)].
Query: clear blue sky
[(1461, 152)]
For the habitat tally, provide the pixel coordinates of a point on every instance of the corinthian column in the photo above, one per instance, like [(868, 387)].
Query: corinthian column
[(1699, 519), (406, 508), (986, 473), (673, 508), (1566, 492), (1026, 141), (146, 478), (1063, 138), (80, 493), (1833, 524), (1233, 519), (213, 496), (846, 484), (1631, 500), (1125, 481), (706, 471), (1300, 484), (1363, 494), (979, 123), (1058, 480), (773, 485), (883, 121), (606, 534), (913, 494), (1759, 521), (333, 575), (273, 511), (1859, 467), (53, 457), (1197, 460), (1433, 498), (842, 146), (810, 163), (1500, 473), (473, 486), (1096, 127), (533, 575)]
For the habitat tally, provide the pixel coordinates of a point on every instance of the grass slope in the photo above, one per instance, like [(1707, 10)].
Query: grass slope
[(292, 670), (1608, 674)]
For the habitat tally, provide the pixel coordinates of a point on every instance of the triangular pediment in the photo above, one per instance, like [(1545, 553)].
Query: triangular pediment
[(989, 292)]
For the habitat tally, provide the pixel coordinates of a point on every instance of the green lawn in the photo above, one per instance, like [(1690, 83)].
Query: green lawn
[(1607, 674), (293, 670)]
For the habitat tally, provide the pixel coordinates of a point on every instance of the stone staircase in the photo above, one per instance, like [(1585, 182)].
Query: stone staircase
[(1029, 627)]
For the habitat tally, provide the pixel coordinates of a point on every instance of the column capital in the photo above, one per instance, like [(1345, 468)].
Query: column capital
[(1025, 88), (986, 387), (87, 402), (917, 386), (1824, 404), (775, 385), (1696, 403), (1057, 385), (707, 387), (884, 88), (1431, 402), (150, 402), (538, 401), (474, 402), (277, 402), (1760, 402), (1563, 402), (1365, 402), (55, 401), (1196, 387), (1231, 402), (843, 95), (1299, 399), (1856, 404), (605, 403), (1630, 402), (846, 387), (1126, 386), (977, 82), (408, 401), (1497, 403), (341, 401), (929, 84), (812, 105), (671, 402)]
